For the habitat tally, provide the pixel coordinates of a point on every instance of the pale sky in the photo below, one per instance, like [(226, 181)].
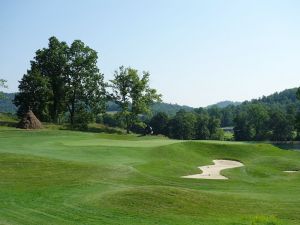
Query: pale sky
[(197, 52)]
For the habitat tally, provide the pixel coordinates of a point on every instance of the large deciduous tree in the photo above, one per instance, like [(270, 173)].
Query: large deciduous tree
[(52, 62), (133, 94), (62, 79), (84, 85)]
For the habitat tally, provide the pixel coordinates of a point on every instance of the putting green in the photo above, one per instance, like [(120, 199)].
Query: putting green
[(64, 177)]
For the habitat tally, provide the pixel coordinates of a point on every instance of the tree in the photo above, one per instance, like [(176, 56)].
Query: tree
[(252, 123), (35, 94), (182, 126), (2, 85), (63, 80), (213, 126), (84, 84), (282, 128), (159, 123), (215, 111), (259, 117), (52, 63), (243, 130), (227, 118), (132, 94), (202, 131)]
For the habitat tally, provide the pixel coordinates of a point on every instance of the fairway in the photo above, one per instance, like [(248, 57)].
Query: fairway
[(67, 177)]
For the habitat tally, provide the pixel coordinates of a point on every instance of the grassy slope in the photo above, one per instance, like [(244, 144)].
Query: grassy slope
[(65, 177)]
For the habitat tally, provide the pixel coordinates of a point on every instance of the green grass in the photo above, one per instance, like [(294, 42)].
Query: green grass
[(68, 177)]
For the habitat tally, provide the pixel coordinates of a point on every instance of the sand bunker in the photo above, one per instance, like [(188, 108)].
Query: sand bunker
[(291, 171), (213, 171)]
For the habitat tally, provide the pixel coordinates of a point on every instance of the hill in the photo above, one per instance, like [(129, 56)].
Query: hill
[(6, 105), (224, 104), (283, 98), (170, 109), (66, 177)]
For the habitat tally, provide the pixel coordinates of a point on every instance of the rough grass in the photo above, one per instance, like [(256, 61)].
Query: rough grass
[(68, 177)]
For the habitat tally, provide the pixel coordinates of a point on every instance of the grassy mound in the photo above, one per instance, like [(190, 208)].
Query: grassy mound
[(68, 177)]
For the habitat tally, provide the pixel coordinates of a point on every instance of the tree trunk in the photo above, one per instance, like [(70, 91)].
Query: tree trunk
[(72, 113), (127, 125)]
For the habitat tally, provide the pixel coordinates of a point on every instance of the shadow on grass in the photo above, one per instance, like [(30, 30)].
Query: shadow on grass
[(8, 123), (94, 129), (292, 145)]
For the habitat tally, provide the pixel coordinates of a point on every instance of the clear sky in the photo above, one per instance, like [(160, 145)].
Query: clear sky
[(198, 52)]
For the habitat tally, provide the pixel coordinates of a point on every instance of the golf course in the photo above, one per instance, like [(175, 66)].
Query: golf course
[(71, 177)]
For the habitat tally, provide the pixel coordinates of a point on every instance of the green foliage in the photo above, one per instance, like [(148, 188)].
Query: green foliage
[(202, 131), (2, 85), (112, 120), (159, 123), (251, 123), (218, 135), (6, 103), (62, 80), (188, 125), (82, 118), (52, 64), (84, 88), (35, 94), (182, 126), (224, 104), (213, 126), (138, 127), (282, 128), (169, 109), (133, 94), (284, 101)]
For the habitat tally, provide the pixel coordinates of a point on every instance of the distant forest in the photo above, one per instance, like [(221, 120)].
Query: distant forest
[(225, 110), (272, 117), (7, 106)]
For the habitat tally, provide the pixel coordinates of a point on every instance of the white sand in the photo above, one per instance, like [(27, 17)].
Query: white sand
[(213, 171), (290, 171)]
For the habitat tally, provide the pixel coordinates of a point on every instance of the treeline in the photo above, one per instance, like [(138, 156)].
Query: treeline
[(284, 101), (187, 125), (64, 84), (7, 106), (274, 118), (258, 122)]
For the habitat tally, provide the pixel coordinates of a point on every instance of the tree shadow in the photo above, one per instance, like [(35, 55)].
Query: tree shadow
[(8, 123)]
